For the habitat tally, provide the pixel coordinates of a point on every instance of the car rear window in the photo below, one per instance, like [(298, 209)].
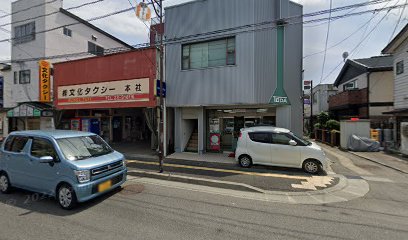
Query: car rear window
[(18, 143), (7, 145)]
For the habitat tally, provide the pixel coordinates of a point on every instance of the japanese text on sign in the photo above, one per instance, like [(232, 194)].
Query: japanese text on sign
[(135, 90), (45, 82)]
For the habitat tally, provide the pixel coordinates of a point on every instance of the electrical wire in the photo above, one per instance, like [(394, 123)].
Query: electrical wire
[(327, 41), (398, 22), (218, 33), (51, 13)]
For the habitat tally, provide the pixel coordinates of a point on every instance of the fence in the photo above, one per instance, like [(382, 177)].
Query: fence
[(330, 137)]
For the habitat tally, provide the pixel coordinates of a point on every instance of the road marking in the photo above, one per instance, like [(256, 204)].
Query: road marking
[(346, 162), (310, 182), (277, 175)]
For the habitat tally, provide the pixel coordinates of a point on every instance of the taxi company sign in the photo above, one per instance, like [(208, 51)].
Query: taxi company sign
[(135, 90), (45, 81)]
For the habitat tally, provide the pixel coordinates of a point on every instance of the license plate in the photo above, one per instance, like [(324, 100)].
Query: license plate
[(104, 186)]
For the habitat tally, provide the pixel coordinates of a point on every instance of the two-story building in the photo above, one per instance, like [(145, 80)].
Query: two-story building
[(365, 90), (398, 47), (320, 97), (229, 65), (43, 30)]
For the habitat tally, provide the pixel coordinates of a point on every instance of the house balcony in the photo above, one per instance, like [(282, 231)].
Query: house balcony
[(348, 99)]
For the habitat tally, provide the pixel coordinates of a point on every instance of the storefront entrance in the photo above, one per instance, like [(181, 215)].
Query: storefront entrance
[(114, 125), (225, 124)]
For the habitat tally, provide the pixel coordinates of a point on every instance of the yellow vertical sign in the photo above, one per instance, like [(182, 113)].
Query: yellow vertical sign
[(45, 81)]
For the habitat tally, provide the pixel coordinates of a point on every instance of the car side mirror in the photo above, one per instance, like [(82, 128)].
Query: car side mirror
[(46, 159), (292, 143)]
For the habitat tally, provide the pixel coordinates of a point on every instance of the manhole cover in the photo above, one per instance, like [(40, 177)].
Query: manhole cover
[(132, 189)]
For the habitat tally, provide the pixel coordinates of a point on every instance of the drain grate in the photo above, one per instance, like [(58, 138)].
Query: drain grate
[(132, 189)]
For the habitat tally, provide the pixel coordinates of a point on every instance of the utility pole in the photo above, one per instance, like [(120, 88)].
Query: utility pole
[(311, 107), (158, 8)]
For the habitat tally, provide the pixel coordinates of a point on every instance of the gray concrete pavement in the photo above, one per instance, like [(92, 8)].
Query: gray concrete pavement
[(164, 210)]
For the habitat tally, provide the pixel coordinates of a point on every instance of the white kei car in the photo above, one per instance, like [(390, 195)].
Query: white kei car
[(279, 147)]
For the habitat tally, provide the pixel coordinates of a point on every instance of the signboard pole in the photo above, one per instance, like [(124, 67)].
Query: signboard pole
[(311, 107), (161, 125)]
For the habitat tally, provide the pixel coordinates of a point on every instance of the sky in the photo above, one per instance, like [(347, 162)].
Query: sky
[(362, 36)]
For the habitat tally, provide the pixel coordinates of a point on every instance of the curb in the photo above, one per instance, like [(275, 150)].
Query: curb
[(380, 163), (345, 190), (197, 181)]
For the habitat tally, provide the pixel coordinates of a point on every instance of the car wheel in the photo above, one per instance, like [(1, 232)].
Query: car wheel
[(4, 183), (66, 197), (245, 161), (312, 166)]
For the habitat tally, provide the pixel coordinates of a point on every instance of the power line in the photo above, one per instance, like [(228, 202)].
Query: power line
[(398, 22), (327, 40), (25, 9), (366, 24), (198, 37), (358, 45), (49, 14)]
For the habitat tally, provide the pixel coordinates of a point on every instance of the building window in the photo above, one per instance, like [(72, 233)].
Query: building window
[(399, 67), (215, 53), (95, 49), (25, 76), (24, 33), (15, 77), (350, 86), (67, 32)]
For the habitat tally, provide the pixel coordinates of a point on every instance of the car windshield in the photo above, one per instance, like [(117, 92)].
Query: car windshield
[(301, 139), (79, 148)]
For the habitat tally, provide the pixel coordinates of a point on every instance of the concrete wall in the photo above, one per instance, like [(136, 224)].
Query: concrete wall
[(347, 128), (184, 126)]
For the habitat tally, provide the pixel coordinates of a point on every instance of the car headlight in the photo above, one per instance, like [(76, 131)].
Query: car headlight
[(83, 176), (124, 163)]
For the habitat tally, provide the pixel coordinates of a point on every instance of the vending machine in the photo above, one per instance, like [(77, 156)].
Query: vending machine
[(91, 125), (85, 125), (75, 124)]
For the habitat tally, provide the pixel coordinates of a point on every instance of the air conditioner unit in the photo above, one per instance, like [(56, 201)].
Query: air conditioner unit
[(404, 138)]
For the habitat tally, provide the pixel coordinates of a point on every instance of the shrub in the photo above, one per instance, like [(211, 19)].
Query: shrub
[(333, 125), (322, 118), (317, 126)]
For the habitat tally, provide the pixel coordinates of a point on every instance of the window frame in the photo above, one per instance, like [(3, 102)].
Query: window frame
[(283, 134), (399, 67), (10, 140), (228, 52), (14, 141), (96, 48), (20, 78), (348, 88), (24, 33), (67, 32), (56, 158), (250, 135)]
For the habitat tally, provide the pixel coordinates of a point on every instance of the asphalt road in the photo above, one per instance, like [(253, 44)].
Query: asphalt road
[(153, 211)]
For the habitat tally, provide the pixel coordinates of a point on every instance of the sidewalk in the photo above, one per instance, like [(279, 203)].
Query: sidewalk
[(384, 159)]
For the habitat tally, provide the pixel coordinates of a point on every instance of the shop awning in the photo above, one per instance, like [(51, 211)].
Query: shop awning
[(32, 109)]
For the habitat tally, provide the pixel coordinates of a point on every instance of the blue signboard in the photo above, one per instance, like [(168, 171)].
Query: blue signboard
[(158, 88)]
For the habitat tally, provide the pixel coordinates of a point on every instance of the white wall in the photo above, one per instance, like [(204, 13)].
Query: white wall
[(381, 90), (347, 128), (47, 44), (361, 81), (401, 80)]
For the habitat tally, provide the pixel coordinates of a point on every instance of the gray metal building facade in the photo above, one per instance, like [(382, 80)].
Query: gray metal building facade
[(250, 82)]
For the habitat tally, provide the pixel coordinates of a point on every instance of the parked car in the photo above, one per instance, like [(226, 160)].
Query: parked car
[(278, 147), (71, 166)]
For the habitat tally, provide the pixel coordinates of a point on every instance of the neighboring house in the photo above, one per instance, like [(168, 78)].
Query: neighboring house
[(221, 82), (365, 90), (320, 97), (32, 41), (398, 47)]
